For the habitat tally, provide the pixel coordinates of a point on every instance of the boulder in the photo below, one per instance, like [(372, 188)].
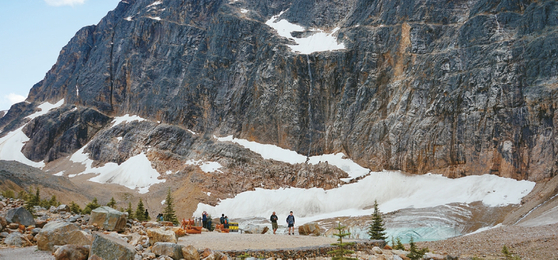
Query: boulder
[(20, 215), (309, 229), (190, 253), (108, 218), (161, 235), (61, 233), (71, 252), (14, 239), (3, 222), (63, 207), (109, 247), (169, 249)]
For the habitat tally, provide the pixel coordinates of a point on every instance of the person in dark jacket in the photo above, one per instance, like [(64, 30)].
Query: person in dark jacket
[(290, 223), (273, 220)]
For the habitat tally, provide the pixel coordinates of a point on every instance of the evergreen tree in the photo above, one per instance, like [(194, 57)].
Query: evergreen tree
[(53, 201), (376, 230), (340, 252), (8, 194), (112, 203), (32, 200), (140, 211), (416, 253), (75, 208), (91, 206), (130, 210), (399, 245), (168, 212)]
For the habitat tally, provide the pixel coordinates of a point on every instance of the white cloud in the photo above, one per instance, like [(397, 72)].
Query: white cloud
[(64, 2), (15, 98)]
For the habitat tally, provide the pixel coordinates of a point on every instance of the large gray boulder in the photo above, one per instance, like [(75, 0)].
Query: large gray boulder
[(21, 216), (169, 249), (110, 247), (61, 233), (108, 218), (14, 239)]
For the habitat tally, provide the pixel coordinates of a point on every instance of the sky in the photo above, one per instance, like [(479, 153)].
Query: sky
[(32, 34)]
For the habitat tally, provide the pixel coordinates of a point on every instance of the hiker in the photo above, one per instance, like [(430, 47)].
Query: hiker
[(273, 220), (226, 222), (159, 217), (146, 215), (291, 222), (204, 219), (222, 219)]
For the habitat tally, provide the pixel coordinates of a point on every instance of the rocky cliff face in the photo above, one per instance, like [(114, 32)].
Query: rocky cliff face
[(454, 87)]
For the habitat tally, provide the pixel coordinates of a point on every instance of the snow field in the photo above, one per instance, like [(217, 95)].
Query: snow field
[(12, 144), (317, 42)]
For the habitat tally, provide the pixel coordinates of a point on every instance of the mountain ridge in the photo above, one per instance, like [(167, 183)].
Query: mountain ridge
[(442, 87)]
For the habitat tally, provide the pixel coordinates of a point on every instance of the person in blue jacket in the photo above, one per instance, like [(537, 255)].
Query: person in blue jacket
[(290, 223)]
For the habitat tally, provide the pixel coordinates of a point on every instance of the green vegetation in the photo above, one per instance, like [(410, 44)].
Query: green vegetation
[(75, 208), (398, 245), (140, 211), (508, 255), (91, 206), (168, 212), (8, 194), (130, 210), (112, 203), (340, 252), (416, 253), (376, 230)]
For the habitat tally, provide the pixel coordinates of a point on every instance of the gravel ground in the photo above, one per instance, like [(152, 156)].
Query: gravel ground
[(27, 253), (540, 242), (235, 241)]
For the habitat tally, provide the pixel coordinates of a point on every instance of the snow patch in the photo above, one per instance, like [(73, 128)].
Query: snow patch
[(273, 152), (243, 11), (155, 18), (12, 143), (154, 4), (59, 174), (317, 42), (163, 202), (206, 167), (392, 190), (126, 118), (129, 19), (134, 173)]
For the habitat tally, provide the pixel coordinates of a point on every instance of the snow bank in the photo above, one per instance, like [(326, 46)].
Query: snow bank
[(268, 151), (392, 190), (206, 166), (318, 41), (134, 173), (126, 118), (12, 144)]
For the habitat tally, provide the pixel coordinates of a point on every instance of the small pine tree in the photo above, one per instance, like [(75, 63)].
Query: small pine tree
[(140, 211), (112, 203), (399, 245), (168, 212), (8, 194), (32, 200), (415, 253), (130, 210), (91, 206), (376, 230), (53, 201), (75, 208), (22, 195), (340, 252)]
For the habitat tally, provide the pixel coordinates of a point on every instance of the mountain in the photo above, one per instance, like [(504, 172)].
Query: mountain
[(458, 88)]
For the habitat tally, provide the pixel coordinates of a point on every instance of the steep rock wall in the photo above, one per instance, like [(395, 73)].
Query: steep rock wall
[(452, 87)]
